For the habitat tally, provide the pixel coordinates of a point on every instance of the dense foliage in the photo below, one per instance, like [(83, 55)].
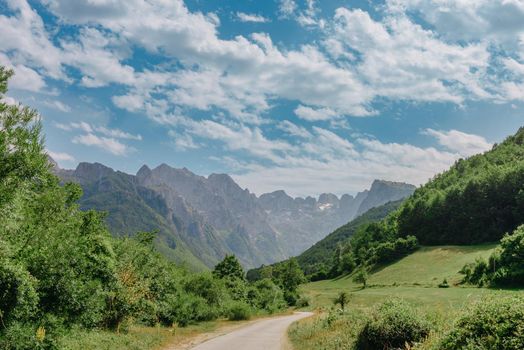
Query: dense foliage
[(61, 269), (392, 325), (287, 275), (505, 267), (495, 324), (477, 200)]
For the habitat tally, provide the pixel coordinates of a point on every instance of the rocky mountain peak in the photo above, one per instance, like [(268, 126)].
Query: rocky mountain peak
[(144, 172), (92, 171), (277, 200)]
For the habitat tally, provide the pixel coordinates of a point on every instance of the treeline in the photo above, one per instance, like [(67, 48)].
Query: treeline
[(477, 200), (504, 268), (61, 269)]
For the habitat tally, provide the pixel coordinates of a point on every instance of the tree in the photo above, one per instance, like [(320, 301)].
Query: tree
[(288, 275), (342, 299), (361, 277), (22, 157), (229, 268)]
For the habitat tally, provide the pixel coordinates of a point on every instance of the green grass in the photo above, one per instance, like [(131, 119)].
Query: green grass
[(138, 337), (414, 278)]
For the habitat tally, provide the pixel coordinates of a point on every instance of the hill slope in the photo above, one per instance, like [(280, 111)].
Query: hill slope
[(319, 255), (477, 200), (415, 277)]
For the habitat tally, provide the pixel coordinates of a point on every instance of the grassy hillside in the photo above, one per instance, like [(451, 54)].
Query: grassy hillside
[(414, 278)]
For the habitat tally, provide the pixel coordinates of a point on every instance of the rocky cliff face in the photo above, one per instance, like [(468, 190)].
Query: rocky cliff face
[(384, 190), (300, 222), (232, 211), (200, 219)]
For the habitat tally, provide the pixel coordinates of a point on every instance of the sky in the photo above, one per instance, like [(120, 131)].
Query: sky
[(306, 96)]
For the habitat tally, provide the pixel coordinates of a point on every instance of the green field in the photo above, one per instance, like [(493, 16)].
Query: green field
[(414, 278)]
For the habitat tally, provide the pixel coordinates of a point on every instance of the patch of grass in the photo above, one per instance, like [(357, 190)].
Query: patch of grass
[(138, 337)]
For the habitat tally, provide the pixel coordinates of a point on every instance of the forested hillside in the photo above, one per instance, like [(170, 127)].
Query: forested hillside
[(477, 200), (319, 257)]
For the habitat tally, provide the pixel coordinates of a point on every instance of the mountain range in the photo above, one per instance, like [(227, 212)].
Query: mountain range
[(200, 219)]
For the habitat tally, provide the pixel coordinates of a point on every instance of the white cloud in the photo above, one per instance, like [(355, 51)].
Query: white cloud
[(293, 129), (25, 40), (61, 156), (107, 144), (9, 101), (98, 58), (320, 159), (182, 141), (88, 128), (331, 163), (460, 142), (249, 17), (311, 114), (287, 7), (401, 60), (495, 20), (58, 105)]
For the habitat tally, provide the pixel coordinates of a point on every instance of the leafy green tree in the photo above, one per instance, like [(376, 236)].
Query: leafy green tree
[(288, 275), (342, 299), (361, 277), (229, 267)]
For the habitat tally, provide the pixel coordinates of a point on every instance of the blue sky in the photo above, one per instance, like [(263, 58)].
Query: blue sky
[(307, 96)]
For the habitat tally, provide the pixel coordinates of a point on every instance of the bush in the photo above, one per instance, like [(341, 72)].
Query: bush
[(190, 308), (238, 311), (444, 284), (266, 295), (392, 325), (303, 302), (493, 323), (18, 297)]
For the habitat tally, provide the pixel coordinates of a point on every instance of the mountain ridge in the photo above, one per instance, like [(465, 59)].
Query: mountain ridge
[(204, 218)]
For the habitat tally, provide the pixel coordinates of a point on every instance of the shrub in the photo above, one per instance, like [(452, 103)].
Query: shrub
[(342, 300), (238, 311), (266, 295), (493, 323), (444, 284), (18, 297), (392, 325), (190, 308), (302, 302)]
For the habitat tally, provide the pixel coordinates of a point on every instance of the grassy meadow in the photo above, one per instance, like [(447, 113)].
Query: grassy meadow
[(414, 278)]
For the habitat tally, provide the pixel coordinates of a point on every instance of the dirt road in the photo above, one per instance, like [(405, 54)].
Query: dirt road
[(269, 334)]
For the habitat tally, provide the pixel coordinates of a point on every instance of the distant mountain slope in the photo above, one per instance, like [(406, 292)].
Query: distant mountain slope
[(302, 222), (232, 211), (320, 254), (384, 191)]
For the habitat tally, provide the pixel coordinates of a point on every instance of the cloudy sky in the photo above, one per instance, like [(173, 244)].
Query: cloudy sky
[(308, 96)]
